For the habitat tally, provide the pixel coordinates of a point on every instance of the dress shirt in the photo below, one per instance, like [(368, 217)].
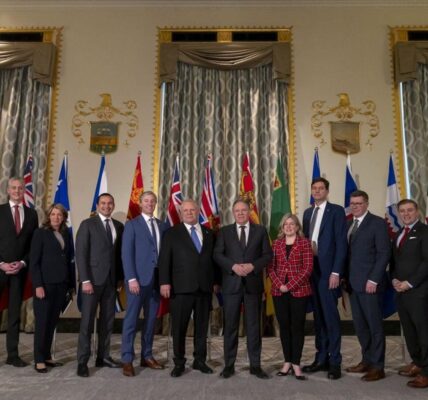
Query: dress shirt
[(403, 232), (246, 229), (21, 211), (147, 218), (317, 226), (113, 229), (198, 231)]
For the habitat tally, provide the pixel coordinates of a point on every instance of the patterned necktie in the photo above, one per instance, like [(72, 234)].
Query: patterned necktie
[(155, 236), (353, 229), (313, 222), (108, 230), (195, 239), (403, 237), (17, 220), (242, 238)]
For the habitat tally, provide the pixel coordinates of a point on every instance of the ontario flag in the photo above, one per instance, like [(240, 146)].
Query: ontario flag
[(209, 213), (316, 171), (136, 190), (246, 191), (350, 186), (172, 218)]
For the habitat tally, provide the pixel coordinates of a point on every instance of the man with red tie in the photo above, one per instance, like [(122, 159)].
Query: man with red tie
[(409, 271), (18, 223)]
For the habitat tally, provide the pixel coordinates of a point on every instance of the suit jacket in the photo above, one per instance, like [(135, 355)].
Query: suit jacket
[(294, 271), (180, 264), (139, 254), (410, 262), (332, 241), (49, 263), (97, 259), (369, 252), (228, 251), (15, 247)]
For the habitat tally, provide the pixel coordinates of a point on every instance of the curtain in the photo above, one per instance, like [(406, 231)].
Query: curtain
[(225, 113), (24, 128), (415, 115)]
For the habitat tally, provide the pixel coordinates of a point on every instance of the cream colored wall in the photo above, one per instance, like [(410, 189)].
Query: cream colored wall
[(338, 49)]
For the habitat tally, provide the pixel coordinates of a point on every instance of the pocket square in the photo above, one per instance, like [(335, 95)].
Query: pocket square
[(412, 237)]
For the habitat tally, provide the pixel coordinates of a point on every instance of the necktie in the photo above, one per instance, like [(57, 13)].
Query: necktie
[(403, 237), (313, 222), (353, 229), (195, 239), (108, 230), (17, 220), (155, 236), (242, 238)]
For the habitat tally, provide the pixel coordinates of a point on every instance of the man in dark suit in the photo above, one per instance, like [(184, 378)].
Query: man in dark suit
[(325, 225), (409, 271), (369, 251), (98, 245), (140, 250), (186, 276), (17, 225), (242, 251)]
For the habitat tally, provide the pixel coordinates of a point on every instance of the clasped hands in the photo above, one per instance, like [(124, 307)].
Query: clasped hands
[(400, 286), (243, 269), (11, 268)]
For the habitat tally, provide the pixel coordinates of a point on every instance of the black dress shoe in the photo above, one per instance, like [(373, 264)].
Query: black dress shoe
[(201, 366), (315, 367), (82, 370), (107, 362), (257, 371), (16, 362), (53, 364), (281, 373), (301, 377), (177, 371), (334, 372), (227, 372), (42, 370)]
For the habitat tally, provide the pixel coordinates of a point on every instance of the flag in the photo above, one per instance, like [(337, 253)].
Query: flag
[(101, 186), (350, 186), (61, 197), (28, 182), (394, 225), (280, 206), (209, 213), (136, 190), (246, 191), (316, 171), (172, 218)]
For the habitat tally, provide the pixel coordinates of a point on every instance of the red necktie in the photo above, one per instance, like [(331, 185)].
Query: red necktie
[(403, 237), (17, 220)]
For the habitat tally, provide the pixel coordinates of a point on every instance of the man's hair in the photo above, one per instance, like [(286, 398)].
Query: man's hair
[(241, 200), (15, 178), (104, 194), (148, 193), (360, 193), (323, 180), (407, 201)]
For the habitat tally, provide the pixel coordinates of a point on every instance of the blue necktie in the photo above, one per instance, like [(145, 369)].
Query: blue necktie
[(155, 236), (195, 239)]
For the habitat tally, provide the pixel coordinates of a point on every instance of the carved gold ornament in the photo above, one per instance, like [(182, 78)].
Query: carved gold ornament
[(345, 131), (104, 121)]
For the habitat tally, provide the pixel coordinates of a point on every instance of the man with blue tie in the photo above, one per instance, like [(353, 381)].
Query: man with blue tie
[(325, 225), (186, 276), (140, 250)]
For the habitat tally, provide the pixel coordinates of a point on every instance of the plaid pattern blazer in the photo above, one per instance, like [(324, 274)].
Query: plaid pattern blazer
[(295, 271)]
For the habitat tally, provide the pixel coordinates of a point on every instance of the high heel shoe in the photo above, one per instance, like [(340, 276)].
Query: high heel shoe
[(41, 370), (301, 377), (288, 372)]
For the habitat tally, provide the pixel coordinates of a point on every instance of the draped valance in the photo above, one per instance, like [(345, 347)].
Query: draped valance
[(41, 56), (407, 57), (225, 56)]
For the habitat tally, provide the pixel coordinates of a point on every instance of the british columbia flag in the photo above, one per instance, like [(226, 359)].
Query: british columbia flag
[(175, 198), (28, 181), (209, 214)]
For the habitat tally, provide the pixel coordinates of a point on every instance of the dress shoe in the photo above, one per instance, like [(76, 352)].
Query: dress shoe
[(128, 369), (301, 377), (373, 374), (228, 372), (257, 371), (53, 364), (41, 370), (201, 366), (334, 372), (315, 367), (151, 363), (107, 362), (359, 368), (410, 370), (282, 373), (177, 371), (16, 362), (82, 370), (419, 382)]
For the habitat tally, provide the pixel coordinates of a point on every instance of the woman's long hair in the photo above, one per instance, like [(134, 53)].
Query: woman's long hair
[(47, 222), (295, 219)]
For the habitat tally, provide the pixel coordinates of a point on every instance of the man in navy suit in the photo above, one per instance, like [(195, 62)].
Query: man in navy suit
[(409, 271), (17, 225), (369, 250), (325, 225), (140, 250)]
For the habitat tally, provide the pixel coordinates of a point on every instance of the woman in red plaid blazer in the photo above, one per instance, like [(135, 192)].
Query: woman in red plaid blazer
[(289, 271)]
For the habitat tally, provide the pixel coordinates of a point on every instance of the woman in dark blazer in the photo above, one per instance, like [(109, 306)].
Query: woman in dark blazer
[(53, 276), (289, 271)]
